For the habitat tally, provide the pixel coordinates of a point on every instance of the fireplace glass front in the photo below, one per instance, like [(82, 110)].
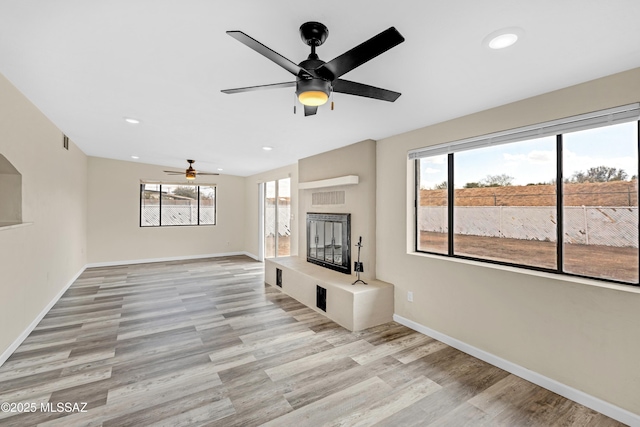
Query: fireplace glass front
[(328, 241)]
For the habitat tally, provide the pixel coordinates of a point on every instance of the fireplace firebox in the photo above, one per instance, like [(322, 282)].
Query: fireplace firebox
[(329, 241)]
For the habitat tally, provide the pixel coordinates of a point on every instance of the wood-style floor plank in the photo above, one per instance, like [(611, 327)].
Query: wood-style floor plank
[(206, 343)]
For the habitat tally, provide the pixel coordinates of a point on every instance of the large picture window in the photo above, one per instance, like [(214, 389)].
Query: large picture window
[(174, 205), (562, 197)]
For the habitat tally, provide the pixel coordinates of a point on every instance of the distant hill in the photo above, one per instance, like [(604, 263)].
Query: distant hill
[(614, 193)]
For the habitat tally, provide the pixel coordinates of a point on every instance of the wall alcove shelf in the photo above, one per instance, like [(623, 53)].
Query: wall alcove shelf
[(331, 182), (12, 225)]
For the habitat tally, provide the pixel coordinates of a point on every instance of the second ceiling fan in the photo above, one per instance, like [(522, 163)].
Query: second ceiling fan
[(190, 173), (316, 79)]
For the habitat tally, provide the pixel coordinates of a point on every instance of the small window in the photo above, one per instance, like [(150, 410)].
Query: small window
[(174, 205)]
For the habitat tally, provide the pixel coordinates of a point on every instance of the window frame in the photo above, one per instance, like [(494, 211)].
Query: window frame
[(559, 206), (198, 224)]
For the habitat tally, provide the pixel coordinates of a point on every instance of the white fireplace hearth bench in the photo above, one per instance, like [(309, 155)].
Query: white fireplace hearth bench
[(354, 307)]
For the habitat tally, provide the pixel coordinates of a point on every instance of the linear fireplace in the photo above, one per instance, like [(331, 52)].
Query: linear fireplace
[(329, 241)]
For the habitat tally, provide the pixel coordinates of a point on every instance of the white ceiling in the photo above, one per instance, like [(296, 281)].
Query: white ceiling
[(88, 64)]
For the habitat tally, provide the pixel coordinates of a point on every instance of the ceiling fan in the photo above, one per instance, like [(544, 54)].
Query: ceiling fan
[(316, 79), (190, 173)]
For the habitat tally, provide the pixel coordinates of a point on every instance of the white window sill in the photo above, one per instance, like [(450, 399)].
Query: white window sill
[(562, 277)]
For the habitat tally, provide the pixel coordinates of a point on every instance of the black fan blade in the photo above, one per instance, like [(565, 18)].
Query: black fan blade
[(174, 172), (254, 88), (359, 89), (268, 53), (206, 173), (310, 111), (360, 54)]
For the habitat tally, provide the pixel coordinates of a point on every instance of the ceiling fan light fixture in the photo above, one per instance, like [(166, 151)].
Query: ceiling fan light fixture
[(313, 98), (313, 92)]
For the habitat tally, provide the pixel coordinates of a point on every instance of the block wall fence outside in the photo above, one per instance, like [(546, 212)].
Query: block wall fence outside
[(284, 220), (587, 225)]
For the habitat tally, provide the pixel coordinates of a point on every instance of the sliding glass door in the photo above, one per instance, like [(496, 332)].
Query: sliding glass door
[(277, 218)]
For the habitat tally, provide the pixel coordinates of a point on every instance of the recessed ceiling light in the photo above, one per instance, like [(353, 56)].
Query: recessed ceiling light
[(502, 41), (135, 157), (131, 120), (503, 38), (265, 148), (220, 169)]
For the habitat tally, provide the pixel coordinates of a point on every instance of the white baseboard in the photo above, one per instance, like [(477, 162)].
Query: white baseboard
[(9, 351), (250, 255), (571, 393), (176, 258)]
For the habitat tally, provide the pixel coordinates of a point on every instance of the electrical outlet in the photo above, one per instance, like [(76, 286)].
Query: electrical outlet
[(410, 296)]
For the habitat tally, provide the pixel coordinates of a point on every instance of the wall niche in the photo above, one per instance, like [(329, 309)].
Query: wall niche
[(10, 193)]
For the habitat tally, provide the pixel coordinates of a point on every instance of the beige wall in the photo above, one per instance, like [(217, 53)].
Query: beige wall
[(252, 219), (37, 261), (114, 234), (360, 199), (581, 333), (11, 191)]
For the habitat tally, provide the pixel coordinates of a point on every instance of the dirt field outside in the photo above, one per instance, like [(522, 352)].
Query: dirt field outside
[(605, 262)]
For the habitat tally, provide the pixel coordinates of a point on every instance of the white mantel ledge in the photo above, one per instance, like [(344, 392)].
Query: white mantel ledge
[(331, 182)]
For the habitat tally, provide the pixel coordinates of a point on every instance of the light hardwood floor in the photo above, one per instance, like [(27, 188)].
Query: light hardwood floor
[(206, 342)]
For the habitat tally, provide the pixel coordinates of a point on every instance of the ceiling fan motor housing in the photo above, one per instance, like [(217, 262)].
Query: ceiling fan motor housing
[(306, 83), (313, 33)]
